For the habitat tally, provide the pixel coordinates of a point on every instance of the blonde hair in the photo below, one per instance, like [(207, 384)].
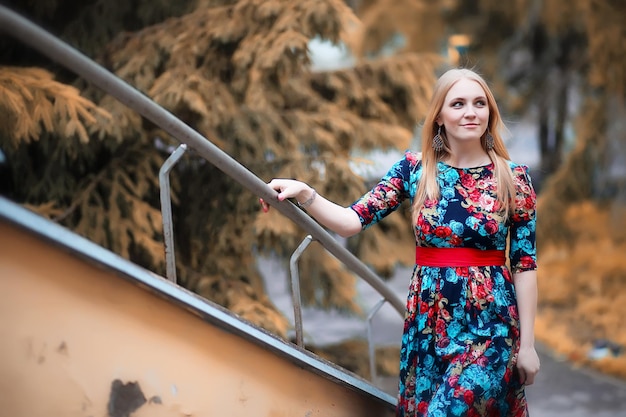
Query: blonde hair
[(428, 187)]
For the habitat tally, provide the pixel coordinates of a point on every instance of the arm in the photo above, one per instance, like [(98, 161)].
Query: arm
[(523, 253), (341, 220), (526, 291), (384, 198)]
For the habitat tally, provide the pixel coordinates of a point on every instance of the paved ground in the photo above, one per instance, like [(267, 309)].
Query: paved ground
[(561, 390)]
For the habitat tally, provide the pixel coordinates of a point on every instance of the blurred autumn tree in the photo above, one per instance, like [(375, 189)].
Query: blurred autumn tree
[(239, 73)]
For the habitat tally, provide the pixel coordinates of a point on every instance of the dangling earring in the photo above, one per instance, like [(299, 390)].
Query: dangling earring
[(438, 141), (489, 143)]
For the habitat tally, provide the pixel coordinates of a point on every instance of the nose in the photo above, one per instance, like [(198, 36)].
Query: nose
[(470, 111)]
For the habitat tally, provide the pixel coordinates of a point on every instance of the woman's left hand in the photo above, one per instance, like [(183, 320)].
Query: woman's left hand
[(527, 365)]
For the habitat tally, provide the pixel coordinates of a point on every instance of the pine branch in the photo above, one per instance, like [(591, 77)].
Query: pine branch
[(81, 196), (31, 99)]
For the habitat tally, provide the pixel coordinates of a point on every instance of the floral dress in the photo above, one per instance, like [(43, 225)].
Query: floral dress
[(461, 331)]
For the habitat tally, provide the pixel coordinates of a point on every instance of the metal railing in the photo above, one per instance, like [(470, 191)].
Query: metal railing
[(55, 49)]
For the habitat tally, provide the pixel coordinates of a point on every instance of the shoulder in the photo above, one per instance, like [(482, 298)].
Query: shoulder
[(410, 162), (405, 172), (519, 169), (412, 159), (521, 178)]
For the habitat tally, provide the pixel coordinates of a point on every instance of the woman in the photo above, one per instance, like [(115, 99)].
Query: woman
[(468, 341)]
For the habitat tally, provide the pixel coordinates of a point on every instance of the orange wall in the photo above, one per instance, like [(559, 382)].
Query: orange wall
[(68, 330)]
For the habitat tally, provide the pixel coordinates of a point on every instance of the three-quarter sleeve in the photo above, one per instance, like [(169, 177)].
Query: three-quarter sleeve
[(386, 196), (523, 249)]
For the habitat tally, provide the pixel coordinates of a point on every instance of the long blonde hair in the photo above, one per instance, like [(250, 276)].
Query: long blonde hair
[(428, 187)]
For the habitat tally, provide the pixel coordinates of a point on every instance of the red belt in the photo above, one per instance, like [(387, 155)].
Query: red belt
[(442, 257)]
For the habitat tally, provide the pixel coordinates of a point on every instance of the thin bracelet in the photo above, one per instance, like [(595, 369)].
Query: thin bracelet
[(309, 201)]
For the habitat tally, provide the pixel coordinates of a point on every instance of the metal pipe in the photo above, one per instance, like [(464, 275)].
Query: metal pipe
[(370, 342), (295, 289), (166, 211), (30, 34)]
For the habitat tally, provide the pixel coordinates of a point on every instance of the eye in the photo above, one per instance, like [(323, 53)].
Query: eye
[(481, 103), (456, 104)]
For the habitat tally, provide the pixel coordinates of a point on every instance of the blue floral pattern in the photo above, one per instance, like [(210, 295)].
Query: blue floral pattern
[(461, 331)]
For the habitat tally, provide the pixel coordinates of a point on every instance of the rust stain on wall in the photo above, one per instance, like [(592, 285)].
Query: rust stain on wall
[(125, 398)]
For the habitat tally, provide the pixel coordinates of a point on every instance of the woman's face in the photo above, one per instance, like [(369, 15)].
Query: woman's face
[(465, 112)]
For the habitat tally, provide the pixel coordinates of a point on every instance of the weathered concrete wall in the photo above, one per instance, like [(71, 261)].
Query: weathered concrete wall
[(80, 341)]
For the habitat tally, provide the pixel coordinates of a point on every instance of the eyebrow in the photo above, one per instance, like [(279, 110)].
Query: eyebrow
[(464, 99)]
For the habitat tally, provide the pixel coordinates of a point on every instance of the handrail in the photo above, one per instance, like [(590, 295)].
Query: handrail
[(49, 45)]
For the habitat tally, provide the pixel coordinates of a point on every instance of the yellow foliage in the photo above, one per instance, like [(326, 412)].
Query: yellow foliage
[(582, 294), (30, 100), (419, 21)]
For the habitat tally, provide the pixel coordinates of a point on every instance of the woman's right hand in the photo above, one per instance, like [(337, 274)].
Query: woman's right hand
[(288, 188), (341, 220)]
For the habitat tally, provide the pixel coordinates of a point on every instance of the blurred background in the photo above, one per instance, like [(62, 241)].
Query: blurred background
[(330, 92)]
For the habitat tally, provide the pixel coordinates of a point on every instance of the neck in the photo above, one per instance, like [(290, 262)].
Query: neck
[(468, 157)]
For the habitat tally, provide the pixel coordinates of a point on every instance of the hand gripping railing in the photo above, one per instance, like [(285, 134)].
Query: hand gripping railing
[(55, 49)]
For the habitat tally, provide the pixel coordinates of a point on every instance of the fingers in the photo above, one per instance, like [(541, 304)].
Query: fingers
[(264, 206), (526, 377), (284, 187), (279, 186), (522, 376)]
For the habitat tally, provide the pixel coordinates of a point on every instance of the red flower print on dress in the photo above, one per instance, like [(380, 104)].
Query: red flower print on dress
[(456, 240), (468, 181), (491, 227), (411, 304), (472, 412), (440, 327), (443, 342), (443, 231), (507, 375), (492, 410), (527, 262), (482, 361), (475, 196), (423, 225), (529, 202), (411, 157), (487, 202), (462, 271), (397, 183)]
